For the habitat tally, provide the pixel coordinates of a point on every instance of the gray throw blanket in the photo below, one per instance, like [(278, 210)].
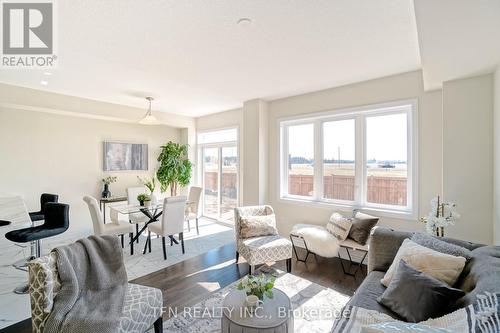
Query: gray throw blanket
[(93, 286)]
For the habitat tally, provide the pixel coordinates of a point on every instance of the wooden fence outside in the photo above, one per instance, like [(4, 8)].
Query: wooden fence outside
[(383, 190)]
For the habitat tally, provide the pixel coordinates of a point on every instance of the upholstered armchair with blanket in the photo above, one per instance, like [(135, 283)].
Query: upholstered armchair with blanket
[(142, 307), (260, 249)]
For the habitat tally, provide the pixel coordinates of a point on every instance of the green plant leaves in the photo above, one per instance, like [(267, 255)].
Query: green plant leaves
[(175, 167)]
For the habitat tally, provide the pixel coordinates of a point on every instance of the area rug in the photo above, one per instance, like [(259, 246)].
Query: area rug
[(212, 236), (315, 307)]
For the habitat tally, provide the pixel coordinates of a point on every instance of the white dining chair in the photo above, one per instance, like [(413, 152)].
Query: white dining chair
[(116, 227), (193, 207), (136, 218), (172, 222)]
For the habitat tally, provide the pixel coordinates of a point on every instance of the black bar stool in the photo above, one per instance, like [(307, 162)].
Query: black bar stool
[(36, 216), (56, 222), (44, 198)]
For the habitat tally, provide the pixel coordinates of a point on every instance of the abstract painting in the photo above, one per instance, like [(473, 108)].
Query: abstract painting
[(120, 156)]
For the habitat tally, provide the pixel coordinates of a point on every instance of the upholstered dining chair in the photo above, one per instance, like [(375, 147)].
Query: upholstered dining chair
[(262, 249), (136, 218), (172, 222), (142, 307), (193, 207), (116, 227)]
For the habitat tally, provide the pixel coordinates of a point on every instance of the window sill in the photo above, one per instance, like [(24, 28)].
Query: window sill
[(379, 212)]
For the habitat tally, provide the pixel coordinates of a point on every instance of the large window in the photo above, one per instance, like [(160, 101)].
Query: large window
[(362, 158)]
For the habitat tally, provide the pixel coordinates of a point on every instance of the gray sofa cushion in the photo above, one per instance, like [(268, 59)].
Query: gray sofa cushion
[(385, 243), (480, 274), (434, 243), (410, 285), (368, 292)]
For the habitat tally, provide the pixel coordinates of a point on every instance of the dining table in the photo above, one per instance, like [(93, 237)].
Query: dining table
[(151, 210)]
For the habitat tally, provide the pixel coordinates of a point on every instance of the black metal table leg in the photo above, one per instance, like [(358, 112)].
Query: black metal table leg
[(152, 218)]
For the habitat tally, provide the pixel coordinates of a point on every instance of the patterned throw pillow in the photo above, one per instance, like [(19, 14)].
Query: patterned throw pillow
[(339, 226), (441, 266), (44, 285), (254, 226)]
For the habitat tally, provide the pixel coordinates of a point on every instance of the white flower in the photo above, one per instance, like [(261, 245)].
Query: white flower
[(430, 229), (434, 206)]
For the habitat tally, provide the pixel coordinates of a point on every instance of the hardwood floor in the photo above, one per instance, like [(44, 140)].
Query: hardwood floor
[(190, 281)]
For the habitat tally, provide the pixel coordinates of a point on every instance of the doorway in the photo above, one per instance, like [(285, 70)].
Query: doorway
[(219, 156)]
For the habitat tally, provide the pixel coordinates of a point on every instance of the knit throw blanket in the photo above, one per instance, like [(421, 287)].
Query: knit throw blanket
[(93, 286), (481, 317)]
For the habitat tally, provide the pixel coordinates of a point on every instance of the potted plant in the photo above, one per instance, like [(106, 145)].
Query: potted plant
[(149, 183), (143, 197), (106, 193), (259, 286), (175, 167)]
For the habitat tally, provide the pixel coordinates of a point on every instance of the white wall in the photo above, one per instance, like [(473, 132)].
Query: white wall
[(230, 118), (468, 155), (496, 165), (399, 87), (44, 152)]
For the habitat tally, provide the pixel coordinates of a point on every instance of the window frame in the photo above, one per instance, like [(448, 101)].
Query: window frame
[(360, 115)]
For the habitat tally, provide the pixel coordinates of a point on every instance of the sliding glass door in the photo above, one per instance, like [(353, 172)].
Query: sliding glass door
[(211, 182), (229, 182), (219, 156)]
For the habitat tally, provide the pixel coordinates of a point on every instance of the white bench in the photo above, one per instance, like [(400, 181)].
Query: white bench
[(317, 240)]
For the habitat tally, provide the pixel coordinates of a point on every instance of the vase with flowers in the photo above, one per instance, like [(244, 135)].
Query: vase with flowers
[(442, 214), (106, 193), (257, 285)]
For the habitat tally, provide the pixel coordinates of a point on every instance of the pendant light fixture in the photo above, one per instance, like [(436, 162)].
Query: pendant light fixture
[(148, 118)]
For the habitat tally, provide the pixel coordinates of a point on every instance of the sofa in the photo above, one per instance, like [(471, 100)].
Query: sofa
[(481, 273)]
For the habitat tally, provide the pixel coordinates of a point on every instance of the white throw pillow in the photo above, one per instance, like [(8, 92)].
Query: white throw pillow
[(339, 226), (441, 266), (254, 226)]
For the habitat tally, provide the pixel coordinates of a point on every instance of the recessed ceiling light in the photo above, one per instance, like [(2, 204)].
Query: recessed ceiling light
[(244, 22), (44, 82), (47, 73)]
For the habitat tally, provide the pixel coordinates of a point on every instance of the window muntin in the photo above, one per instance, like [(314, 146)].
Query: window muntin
[(353, 131)]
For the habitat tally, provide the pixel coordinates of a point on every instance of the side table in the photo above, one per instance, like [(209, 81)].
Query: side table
[(274, 316), (104, 201)]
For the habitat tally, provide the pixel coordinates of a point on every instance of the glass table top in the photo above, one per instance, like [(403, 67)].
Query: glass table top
[(130, 209)]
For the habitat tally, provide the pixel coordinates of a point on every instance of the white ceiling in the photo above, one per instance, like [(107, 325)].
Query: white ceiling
[(194, 59), (458, 38)]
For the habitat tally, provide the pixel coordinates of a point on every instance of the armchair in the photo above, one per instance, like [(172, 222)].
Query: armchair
[(142, 307), (262, 249)]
